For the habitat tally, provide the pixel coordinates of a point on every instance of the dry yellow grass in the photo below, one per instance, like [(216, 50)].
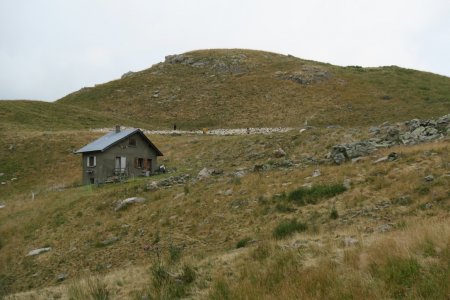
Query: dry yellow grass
[(207, 223)]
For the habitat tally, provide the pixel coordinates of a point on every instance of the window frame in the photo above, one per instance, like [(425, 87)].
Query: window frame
[(93, 163)]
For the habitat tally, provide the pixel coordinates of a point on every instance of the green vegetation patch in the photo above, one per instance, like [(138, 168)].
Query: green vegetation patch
[(287, 228), (304, 196)]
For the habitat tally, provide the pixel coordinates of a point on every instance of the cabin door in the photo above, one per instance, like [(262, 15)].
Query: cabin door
[(121, 162)]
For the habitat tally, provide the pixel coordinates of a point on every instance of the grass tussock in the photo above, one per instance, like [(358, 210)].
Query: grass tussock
[(89, 289), (312, 195), (370, 272), (287, 228)]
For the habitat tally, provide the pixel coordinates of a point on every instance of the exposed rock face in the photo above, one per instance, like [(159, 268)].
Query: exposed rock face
[(343, 152), (408, 133), (127, 74), (306, 75), (233, 64)]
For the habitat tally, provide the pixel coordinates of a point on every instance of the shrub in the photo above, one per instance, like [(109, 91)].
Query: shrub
[(188, 276), (304, 196), (399, 275), (334, 213), (242, 243), (90, 289), (287, 228), (175, 252)]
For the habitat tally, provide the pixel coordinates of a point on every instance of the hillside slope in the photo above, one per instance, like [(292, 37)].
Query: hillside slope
[(245, 88)]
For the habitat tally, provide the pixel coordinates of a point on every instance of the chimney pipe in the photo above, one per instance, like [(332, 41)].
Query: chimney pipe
[(117, 128)]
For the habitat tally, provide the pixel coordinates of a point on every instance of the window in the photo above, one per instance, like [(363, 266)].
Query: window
[(132, 142), (139, 163), (91, 161)]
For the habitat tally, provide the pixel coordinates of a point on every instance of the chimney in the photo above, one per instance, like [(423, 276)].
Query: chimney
[(117, 128)]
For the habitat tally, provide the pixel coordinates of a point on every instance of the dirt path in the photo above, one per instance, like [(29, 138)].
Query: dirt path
[(233, 131)]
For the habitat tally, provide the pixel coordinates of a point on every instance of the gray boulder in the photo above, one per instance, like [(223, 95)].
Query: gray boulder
[(38, 251), (344, 152), (122, 204)]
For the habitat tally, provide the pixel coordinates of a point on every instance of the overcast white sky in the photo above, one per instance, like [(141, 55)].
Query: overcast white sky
[(49, 48)]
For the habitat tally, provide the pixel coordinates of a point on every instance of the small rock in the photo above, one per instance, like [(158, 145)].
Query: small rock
[(61, 277), (121, 204), (228, 192), (385, 228), (257, 168), (392, 156), (349, 241), (2, 206), (239, 174), (1, 174), (381, 159), (3, 183), (13, 179), (429, 178), (279, 153), (38, 251), (204, 173), (109, 241), (316, 173), (152, 186), (347, 183), (127, 74)]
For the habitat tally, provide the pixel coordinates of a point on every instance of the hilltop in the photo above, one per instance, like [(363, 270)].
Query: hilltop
[(245, 88)]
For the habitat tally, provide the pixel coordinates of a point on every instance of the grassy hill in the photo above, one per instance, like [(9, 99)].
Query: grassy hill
[(265, 226), (244, 88)]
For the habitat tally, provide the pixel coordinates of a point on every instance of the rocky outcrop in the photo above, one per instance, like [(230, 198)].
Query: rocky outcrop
[(408, 133), (306, 75), (233, 64)]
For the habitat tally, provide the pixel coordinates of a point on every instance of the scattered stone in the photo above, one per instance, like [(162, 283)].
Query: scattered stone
[(316, 173), (38, 251), (385, 227), (257, 168), (180, 179), (306, 75), (152, 186), (127, 74), (122, 204), (429, 178), (386, 135), (61, 277), (279, 153), (343, 152), (109, 241), (228, 192), (347, 183), (381, 159), (392, 156), (239, 174), (350, 241)]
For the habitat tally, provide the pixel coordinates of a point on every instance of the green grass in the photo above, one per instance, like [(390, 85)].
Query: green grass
[(287, 228), (242, 243), (304, 196)]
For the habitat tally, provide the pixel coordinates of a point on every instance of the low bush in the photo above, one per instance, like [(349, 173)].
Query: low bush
[(287, 228), (242, 243), (304, 196)]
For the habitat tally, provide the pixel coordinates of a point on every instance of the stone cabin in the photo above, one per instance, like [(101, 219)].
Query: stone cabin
[(117, 155)]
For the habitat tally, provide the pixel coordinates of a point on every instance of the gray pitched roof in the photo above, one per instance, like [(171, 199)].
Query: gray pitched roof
[(106, 141)]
